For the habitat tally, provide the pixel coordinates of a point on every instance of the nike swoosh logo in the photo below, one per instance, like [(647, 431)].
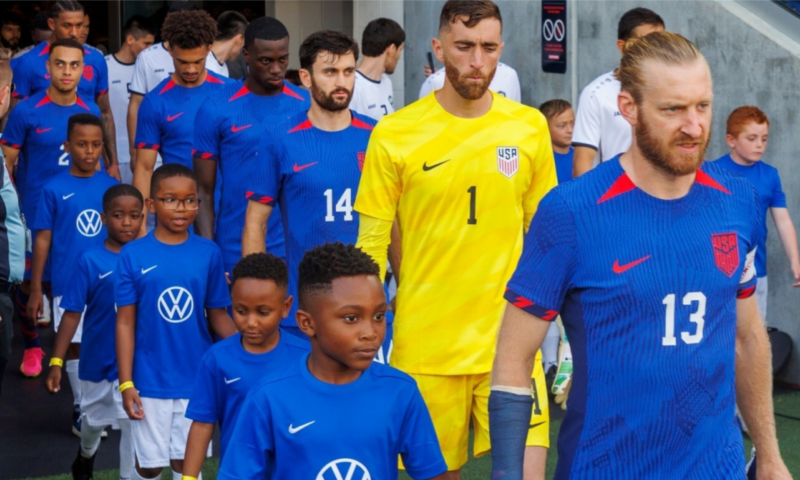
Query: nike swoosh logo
[(623, 268), (106, 274), (147, 270), (426, 168), (231, 381), (235, 129), (42, 130), (294, 430), (534, 425), (298, 168), (173, 117), (64, 197)]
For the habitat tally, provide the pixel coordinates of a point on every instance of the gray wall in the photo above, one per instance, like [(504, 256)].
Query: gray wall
[(748, 68)]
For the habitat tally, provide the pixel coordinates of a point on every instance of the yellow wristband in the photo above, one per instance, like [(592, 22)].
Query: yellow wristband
[(56, 362), (125, 386), (187, 477)]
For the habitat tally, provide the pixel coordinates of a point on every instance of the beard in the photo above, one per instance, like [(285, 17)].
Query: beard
[(8, 44), (466, 88), (326, 100), (660, 155)]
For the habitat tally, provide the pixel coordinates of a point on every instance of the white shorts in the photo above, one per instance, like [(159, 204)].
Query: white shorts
[(762, 288), (101, 403), (126, 173), (162, 434), (58, 312)]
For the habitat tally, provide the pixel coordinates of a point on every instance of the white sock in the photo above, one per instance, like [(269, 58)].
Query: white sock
[(135, 476), (90, 439), (74, 381), (550, 347), (125, 449), (176, 475)]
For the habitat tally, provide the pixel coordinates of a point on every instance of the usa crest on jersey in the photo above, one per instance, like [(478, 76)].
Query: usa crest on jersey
[(726, 252), (508, 160), (361, 157)]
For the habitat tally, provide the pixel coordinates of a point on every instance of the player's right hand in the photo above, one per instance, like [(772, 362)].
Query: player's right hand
[(35, 303), (54, 379), (132, 404)]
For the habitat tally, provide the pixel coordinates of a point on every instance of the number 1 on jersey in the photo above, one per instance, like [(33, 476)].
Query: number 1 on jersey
[(343, 205), (473, 192)]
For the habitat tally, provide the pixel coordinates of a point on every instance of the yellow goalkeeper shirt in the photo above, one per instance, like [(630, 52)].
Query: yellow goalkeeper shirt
[(464, 190)]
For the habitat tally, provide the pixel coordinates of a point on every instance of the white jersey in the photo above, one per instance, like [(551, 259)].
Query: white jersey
[(154, 64), (598, 123), (119, 79), (371, 98), (505, 82)]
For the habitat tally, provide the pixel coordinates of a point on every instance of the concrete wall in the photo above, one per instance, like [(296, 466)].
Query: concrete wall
[(749, 67), (305, 17)]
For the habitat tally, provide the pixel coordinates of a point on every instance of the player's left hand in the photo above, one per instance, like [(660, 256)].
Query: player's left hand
[(796, 275), (54, 379), (772, 470)]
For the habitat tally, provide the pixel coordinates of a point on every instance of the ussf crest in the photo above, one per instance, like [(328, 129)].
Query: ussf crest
[(726, 252), (508, 160)]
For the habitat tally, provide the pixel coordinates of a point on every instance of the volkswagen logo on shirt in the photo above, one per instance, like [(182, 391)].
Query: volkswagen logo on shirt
[(89, 223), (344, 469), (175, 304)]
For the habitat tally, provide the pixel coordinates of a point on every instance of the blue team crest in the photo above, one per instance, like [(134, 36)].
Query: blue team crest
[(726, 252), (344, 469), (508, 160)]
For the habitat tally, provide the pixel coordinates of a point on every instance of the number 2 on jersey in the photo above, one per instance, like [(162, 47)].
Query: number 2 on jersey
[(343, 205), (64, 158), (697, 317)]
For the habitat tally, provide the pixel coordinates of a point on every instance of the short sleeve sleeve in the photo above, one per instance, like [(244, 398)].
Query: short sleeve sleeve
[(125, 286), (749, 278), (544, 172), (206, 131), (46, 213), (265, 184), (16, 128), (138, 83), (148, 125), (587, 121), (380, 188), (419, 446), (250, 444), (203, 405), (76, 295), (549, 255), (778, 197), (102, 76), (22, 81), (218, 295)]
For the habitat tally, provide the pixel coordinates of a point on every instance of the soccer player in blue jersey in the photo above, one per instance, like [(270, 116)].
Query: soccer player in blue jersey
[(649, 260), (228, 129), (69, 222), (165, 121), (32, 75), (231, 368), (171, 292), (335, 413), (311, 164), (35, 134), (91, 290)]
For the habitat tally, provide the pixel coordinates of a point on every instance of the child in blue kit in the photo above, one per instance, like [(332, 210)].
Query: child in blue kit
[(335, 413), (68, 223), (91, 289), (231, 367), (170, 289), (561, 122)]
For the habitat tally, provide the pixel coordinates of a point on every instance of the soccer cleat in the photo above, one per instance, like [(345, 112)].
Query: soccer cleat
[(32, 362), (82, 467)]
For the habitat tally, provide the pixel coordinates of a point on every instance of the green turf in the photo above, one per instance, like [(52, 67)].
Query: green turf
[(479, 468)]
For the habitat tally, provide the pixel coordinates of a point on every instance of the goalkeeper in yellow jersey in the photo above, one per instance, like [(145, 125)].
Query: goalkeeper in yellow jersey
[(463, 171)]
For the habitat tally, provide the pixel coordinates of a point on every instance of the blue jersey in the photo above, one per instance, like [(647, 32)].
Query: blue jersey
[(228, 129), (91, 287), (70, 207), (647, 291), (166, 117), (31, 77), (294, 426), (171, 285), (313, 176), (564, 165), (767, 182), (228, 373), (37, 127)]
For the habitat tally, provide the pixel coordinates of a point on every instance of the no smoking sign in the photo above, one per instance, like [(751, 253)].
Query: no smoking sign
[(554, 36)]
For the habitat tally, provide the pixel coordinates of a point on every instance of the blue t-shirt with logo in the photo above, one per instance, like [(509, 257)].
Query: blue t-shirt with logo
[(296, 426), (564, 165), (171, 286), (91, 287), (227, 374), (70, 207)]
